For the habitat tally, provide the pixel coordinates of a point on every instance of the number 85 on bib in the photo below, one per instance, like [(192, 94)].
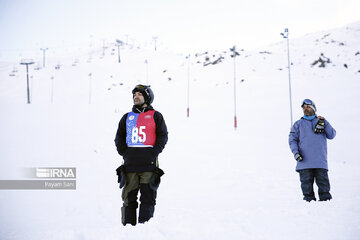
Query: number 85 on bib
[(140, 129)]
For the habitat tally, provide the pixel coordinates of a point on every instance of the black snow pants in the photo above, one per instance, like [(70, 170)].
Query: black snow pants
[(320, 175)]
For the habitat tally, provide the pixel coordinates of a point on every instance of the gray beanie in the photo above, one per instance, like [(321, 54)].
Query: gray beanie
[(310, 103)]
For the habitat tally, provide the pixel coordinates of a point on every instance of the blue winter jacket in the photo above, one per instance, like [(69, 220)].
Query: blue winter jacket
[(312, 146)]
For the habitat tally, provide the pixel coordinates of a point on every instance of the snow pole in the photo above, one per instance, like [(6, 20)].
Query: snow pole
[(290, 97), (285, 35), (234, 56), (188, 88), (154, 39), (90, 88), (52, 89), (119, 54), (147, 71)]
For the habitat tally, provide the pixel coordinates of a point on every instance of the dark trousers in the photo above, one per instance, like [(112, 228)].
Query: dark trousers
[(134, 183), (320, 175)]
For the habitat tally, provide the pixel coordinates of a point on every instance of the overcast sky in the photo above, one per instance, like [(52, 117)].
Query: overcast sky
[(181, 25)]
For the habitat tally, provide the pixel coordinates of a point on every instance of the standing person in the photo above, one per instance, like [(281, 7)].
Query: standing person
[(308, 143), (140, 138)]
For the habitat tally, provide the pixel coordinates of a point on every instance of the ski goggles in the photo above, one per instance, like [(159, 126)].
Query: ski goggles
[(145, 90), (140, 86), (307, 102)]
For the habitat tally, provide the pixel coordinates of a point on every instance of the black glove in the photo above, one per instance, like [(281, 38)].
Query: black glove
[(320, 126), (155, 179), (298, 157), (120, 172)]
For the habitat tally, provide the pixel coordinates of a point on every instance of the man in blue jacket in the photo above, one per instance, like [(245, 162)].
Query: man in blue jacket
[(308, 143)]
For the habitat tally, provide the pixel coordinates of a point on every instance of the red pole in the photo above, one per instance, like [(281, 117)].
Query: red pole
[(188, 87), (235, 121)]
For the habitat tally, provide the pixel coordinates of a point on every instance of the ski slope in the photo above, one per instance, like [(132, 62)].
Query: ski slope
[(219, 183)]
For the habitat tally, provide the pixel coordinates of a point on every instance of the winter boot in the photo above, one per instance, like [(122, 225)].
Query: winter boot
[(309, 198), (146, 212), (128, 215), (325, 196)]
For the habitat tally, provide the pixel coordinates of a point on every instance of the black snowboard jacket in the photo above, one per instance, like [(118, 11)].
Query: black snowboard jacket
[(141, 159)]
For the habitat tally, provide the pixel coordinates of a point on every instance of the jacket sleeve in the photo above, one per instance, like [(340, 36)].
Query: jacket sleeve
[(330, 132), (294, 138), (161, 133), (120, 139)]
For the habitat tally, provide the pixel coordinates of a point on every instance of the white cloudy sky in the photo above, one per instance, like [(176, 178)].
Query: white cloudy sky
[(182, 25)]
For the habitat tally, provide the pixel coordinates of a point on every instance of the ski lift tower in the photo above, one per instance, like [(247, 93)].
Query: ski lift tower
[(285, 35), (44, 49), (118, 44), (27, 62)]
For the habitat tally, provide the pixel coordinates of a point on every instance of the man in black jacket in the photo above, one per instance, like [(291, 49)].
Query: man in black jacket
[(140, 138)]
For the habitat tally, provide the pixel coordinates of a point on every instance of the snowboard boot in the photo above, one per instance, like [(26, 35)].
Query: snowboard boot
[(128, 215), (146, 212), (309, 197), (325, 196)]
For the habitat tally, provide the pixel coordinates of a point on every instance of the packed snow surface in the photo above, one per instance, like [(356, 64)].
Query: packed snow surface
[(219, 183)]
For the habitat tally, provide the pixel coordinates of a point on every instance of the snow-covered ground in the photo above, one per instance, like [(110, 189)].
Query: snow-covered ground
[(219, 183)]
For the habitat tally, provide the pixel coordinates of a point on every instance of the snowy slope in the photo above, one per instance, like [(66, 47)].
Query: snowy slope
[(219, 183)]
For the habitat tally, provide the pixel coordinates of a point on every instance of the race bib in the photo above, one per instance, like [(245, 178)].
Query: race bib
[(141, 129)]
